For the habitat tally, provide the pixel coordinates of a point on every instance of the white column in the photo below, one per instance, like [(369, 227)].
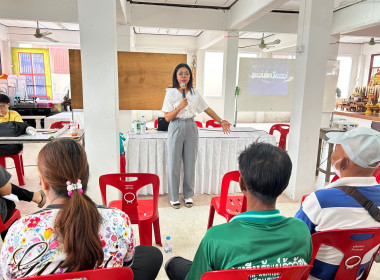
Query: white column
[(314, 25), (329, 92), (97, 22), (124, 45), (231, 44)]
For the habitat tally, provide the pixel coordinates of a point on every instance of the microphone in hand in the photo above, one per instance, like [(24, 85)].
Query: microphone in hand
[(183, 89)]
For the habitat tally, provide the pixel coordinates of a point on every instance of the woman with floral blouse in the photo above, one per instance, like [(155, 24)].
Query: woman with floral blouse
[(72, 233)]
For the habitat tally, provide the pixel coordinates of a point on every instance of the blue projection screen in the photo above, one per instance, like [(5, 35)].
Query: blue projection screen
[(269, 76), (265, 84)]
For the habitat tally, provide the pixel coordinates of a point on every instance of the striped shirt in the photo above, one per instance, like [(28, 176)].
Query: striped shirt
[(330, 209)]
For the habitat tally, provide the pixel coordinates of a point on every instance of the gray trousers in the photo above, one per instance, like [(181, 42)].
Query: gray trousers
[(182, 144)]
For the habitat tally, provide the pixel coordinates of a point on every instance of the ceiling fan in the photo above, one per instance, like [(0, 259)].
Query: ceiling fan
[(372, 42), (39, 35), (43, 35), (264, 45)]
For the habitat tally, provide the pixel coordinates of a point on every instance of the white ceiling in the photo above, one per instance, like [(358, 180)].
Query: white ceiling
[(200, 3), (166, 31), (42, 24), (360, 36), (291, 5)]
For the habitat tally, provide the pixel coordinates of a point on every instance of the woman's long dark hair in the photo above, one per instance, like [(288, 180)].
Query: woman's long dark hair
[(77, 223), (175, 81)]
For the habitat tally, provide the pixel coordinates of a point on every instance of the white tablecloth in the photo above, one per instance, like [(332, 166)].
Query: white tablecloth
[(217, 154), (64, 116)]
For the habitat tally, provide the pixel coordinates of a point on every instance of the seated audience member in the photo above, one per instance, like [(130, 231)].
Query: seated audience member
[(72, 233), (8, 116), (260, 237), (6, 188), (356, 156)]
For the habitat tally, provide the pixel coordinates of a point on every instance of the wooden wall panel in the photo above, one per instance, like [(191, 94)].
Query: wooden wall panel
[(76, 79), (143, 78)]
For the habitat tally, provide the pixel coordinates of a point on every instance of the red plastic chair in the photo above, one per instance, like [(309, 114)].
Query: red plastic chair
[(114, 273), (284, 130), (286, 273), (353, 250), (212, 123), (14, 217), (199, 124), (143, 212), (155, 123), (60, 124), (227, 206), (19, 165)]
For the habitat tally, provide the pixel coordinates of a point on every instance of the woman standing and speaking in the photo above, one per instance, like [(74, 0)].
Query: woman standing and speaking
[(182, 102)]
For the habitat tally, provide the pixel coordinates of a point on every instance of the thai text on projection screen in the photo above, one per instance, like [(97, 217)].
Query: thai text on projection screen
[(268, 76)]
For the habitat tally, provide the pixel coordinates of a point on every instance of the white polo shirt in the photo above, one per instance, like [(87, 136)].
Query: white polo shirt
[(196, 103)]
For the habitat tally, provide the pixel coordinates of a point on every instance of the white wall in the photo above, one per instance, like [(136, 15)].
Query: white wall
[(5, 51)]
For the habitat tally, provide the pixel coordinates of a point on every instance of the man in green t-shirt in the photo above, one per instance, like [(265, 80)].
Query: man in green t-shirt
[(260, 237)]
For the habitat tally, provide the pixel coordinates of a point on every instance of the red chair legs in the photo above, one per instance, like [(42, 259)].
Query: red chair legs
[(157, 233), (145, 233), (19, 165), (211, 216)]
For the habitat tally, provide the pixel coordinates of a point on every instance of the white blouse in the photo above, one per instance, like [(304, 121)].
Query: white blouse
[(196, 103)]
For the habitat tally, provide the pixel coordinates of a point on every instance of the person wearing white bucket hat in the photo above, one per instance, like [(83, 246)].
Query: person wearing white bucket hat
[(355, 158)]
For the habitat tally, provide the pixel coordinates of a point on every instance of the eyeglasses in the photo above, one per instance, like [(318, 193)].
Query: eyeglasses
[(183, 74)]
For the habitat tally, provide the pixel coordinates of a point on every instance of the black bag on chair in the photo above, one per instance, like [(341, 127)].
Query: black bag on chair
[(162, 124), (12, 129)]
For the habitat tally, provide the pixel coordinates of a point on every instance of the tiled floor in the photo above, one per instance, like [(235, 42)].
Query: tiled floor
[(185, 226)]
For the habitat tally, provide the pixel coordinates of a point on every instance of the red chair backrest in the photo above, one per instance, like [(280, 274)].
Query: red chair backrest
[(155, 123), (232, 176), (114, 273), (13, 217), (199, 124), (60, 124), (353, 250), (289, 272), (129, 190), (284, 130), (212, 123)]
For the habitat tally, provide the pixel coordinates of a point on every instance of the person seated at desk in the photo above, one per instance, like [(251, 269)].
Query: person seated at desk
[(72, 233), (6, 188), (7, 115), (355, 158), (259, 236)]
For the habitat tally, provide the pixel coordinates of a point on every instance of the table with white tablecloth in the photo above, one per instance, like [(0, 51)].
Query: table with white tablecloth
[(217, 154), (64, 116)]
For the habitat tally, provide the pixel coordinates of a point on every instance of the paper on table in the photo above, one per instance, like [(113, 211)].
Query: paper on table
[(59, 132)]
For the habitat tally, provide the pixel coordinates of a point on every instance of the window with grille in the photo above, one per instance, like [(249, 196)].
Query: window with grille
[(32, 66)]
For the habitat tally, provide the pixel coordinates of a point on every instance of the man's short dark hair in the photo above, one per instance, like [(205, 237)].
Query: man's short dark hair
[(265, 170), (4, 99)]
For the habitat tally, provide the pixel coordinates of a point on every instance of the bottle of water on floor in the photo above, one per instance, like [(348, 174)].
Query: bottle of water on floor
[(168, 249)]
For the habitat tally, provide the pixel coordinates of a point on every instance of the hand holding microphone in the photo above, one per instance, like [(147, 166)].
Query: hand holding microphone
[(184, 101), (183, 90)]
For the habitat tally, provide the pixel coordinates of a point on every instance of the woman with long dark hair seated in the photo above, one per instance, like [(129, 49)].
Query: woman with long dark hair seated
[(72, 233)]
